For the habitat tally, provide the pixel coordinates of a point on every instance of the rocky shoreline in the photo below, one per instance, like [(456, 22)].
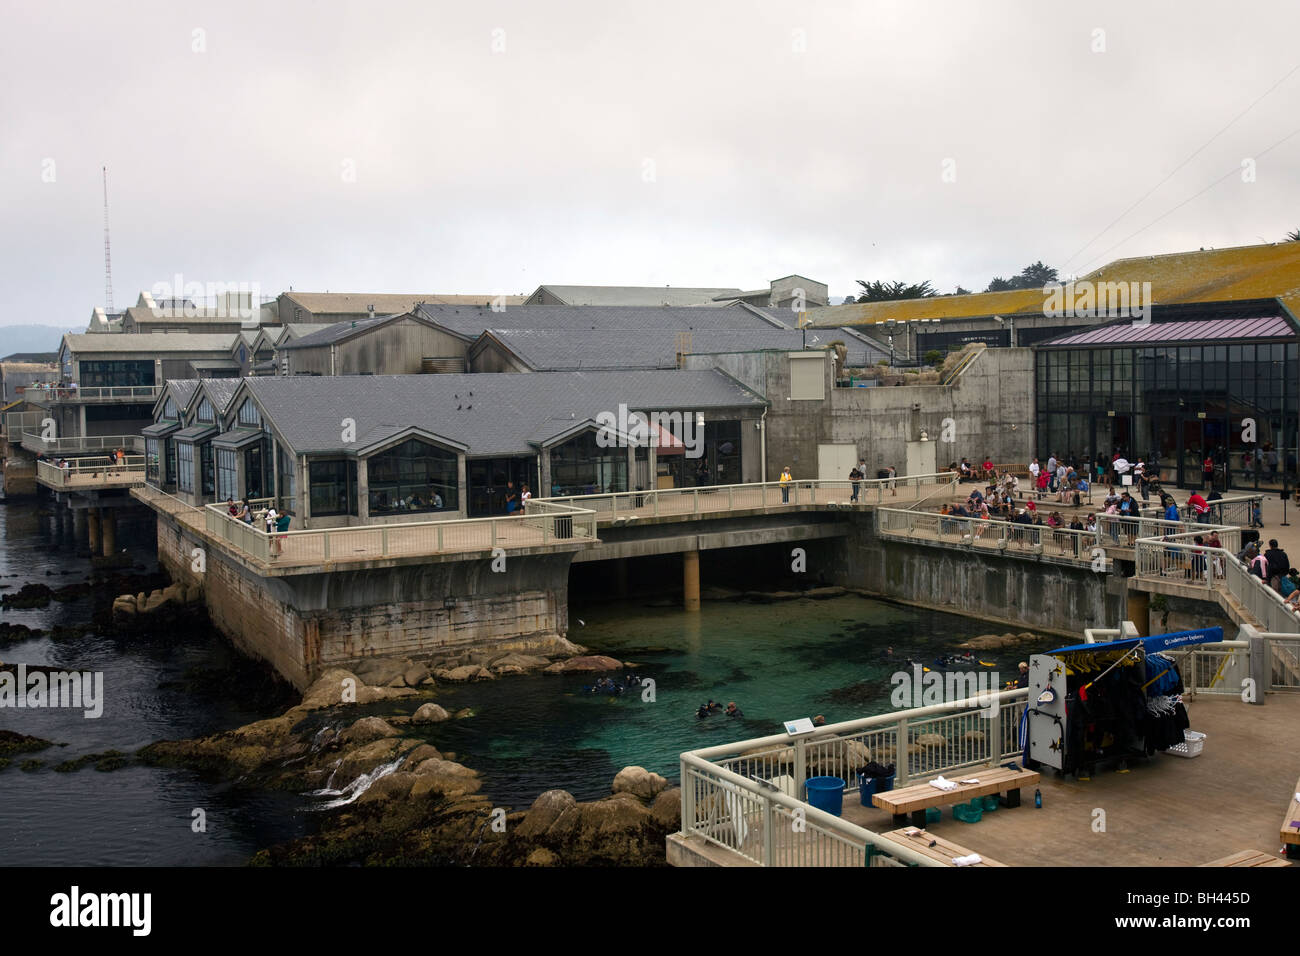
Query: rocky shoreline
[(388, 797)]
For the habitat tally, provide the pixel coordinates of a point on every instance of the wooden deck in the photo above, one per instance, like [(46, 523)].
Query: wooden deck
[(1166, 811)]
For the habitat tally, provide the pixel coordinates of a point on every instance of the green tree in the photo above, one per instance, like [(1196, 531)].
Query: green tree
[(1035, 276), (877, 291), (999, 284), (1293, 235)]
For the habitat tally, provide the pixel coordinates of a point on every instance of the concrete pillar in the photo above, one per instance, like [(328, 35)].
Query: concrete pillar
[(544, 471), (691, 580), (92, 521), (109, 532), (363, 491), (462, 486), (1139, 610)]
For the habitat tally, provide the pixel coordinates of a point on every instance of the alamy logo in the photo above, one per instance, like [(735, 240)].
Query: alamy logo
[(51, 688), (74, 909), (926, 688), (1114, 299), (660, 429), (180, 299)]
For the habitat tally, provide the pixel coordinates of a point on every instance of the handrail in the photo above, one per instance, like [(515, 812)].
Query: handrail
[(961, 366), (93, 393)]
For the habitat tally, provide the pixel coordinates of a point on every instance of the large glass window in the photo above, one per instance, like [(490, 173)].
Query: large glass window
[(414, 476), (227, 474), (185, 467), (205, 413), (153, 449), (207, 470), (288, 481), (170, 457), (581, 467), (248, 414), (116, 374), (333, 487), (253, 461)]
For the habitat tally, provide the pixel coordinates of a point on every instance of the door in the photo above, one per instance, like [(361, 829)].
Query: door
[(834, 462)]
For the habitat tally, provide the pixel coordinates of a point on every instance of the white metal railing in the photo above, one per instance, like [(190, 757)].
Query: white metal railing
[(708, 498), (72, 393), (544, 523), (83, 443), (18, 422), (990, 535), (92, 472), (1284, 661), (1213, 668), (1123, 531), (739, 795)]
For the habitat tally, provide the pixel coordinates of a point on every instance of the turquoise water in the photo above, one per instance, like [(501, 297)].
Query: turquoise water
[(777, 661)]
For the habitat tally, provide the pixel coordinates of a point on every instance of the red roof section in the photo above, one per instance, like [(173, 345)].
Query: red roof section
[(1200, 330)]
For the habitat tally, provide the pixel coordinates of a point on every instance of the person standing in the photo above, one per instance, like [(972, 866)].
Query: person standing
[(524, 495), (512, 498), (893, 485), (786, 480), (1207, 472), (855, 479)]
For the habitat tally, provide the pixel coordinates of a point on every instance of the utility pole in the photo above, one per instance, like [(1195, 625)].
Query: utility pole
[(108, 258)]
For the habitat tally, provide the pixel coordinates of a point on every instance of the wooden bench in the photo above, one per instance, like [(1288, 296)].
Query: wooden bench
[(1291, 826), (917, 799), (943, 850), (1248, 858)]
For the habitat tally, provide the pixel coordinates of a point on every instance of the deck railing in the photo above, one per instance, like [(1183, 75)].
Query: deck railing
[(707, 498), (989, 535), (122, 393), (544, 523), (740, 796), (34, 442), (92, 472)]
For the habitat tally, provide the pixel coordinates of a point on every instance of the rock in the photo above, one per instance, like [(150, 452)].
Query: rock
[(430, 713), (193, 594), (265, 733), (639, 782), (546, 809), (931, 740), (466, 672), (618, 829), (396, 785), (124, 606), (586, 665), (667, 809), (518, 664), (974, 736), (419, 755), (415, 675), (463, 713), (382, 671), (368, 729), (444, 778), (369, 756), (542, 857)]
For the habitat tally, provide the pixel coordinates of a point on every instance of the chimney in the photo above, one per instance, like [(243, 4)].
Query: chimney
[(372, 310)]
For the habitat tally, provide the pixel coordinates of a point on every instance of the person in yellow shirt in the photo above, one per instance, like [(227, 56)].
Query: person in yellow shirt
[(786, 481)]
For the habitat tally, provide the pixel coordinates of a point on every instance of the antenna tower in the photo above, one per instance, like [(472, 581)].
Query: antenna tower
[(108, 258)]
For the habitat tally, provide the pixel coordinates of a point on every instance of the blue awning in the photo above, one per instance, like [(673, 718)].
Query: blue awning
[(1153, 644)]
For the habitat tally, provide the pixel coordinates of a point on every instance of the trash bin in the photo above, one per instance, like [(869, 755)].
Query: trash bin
[(564, 526), (826, 793), (868, 786)]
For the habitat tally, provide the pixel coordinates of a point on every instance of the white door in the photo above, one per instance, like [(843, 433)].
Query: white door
[(834, 462)]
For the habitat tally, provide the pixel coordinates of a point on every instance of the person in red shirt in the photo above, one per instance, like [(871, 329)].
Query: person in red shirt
[(988, 469), (1200, 506)]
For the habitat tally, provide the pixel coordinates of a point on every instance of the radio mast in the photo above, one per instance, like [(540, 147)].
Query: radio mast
[(108, 258)]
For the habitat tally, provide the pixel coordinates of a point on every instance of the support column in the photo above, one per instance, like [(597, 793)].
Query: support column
[(363, 491), (620, 577), (1139, 610), (92, 521), (691, 580), (109, 531)]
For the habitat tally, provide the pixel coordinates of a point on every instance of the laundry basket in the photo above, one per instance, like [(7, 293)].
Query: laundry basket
[(1192, 745)]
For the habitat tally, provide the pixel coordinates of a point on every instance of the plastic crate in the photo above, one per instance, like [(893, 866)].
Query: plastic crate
[(966, 813), (988, 804), (1192, 745)]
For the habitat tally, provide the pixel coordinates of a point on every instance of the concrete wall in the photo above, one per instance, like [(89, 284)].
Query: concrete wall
[(1021, 592), (304, 624), (991, 407)]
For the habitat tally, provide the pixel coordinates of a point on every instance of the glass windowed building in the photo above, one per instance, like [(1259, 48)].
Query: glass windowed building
[(1174, 393)]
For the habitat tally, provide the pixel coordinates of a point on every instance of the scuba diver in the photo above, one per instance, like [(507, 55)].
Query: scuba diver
[(733, 711)]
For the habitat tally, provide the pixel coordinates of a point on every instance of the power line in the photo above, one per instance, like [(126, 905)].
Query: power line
[(1171, 174), (1235, 169)]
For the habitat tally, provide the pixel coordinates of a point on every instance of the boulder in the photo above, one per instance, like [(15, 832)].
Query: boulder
[(616, 830), (419, 755), (430, 713), (931, 740), (368, 729), (542, 857), (369, 756), (463, 713), (466, 672), (546, 809), (667, 809), (415, 675), (396, 785), (153, 602), (639, 782), (974, 736), (444, 778), (518, 664), (382, 671), (594, 664)]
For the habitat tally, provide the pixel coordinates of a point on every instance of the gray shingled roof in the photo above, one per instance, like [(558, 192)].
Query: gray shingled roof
[(88, 343), (633, 295), (182, 391), (470, 323), (337, 332), (221, 391), (504, 414), (551, 350)]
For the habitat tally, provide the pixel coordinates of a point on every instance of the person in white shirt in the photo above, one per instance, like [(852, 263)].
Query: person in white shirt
[(1034, 468), (523, 498)]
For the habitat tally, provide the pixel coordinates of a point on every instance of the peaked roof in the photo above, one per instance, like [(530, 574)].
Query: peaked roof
[(349, 303), (1202, 330), (636, 295), (489, 414), (470, 323)]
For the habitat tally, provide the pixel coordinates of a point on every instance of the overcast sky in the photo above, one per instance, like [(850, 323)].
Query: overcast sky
[(490, 147)]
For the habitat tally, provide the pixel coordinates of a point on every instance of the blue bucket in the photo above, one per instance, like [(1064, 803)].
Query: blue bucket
[(826, 793), (869, 786)]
